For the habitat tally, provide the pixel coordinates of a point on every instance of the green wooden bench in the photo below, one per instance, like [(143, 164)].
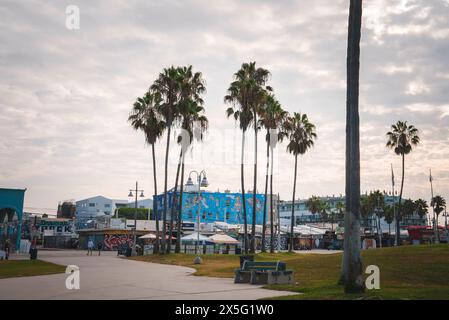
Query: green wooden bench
[(263, 272)]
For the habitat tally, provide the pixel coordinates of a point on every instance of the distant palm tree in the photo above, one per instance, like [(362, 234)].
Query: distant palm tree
[(325, 211), (408, 208), (351, 275), (301, 134), (378, 202), (272, 118), (389, 216), (247, 93), (438, 204), (366, 206), (144, 116), (340, 207), (313, 204), (421, 207), (167, 88), (402, 138)]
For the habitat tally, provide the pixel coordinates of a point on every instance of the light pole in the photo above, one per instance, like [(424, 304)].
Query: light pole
[(279, 224), (202, 182), (135, 215)]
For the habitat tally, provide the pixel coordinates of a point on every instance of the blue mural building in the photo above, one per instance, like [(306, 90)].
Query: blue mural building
[(214, 206), (11, 211)]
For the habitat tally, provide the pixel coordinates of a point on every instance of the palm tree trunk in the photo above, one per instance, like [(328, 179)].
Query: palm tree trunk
[(155, 209), (164, 218), (292, 222), (179, 222), (264, 222), (242, 179), (253, 224), (352, 264), (174, 204), (398, 213), (271, 207)]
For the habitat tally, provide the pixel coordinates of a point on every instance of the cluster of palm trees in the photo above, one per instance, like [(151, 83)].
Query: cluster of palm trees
[(174, 100), (318, 206), (253, 104)]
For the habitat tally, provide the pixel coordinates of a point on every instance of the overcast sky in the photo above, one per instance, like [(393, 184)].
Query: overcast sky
[(65, 94)]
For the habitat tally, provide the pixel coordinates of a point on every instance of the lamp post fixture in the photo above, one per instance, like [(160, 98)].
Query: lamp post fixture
[(135, 214), (202, 182)]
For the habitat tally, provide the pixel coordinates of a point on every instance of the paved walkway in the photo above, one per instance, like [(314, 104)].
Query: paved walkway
[(110, 277)]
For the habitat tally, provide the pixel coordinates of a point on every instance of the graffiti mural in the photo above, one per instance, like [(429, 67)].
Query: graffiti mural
[(218, 206), (114, 241), (276, 243)]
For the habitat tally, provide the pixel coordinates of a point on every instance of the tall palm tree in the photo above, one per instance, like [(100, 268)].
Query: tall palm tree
[(352, 264), (402, 138), (272, 118), (301, 133), (144, 116), (196, 124), (167, 88), (438, 204), (190, 103), (247, 94)]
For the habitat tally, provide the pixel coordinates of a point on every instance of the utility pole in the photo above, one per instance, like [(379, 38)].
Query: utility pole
[(135, 215), (394, 199), (435, 222)]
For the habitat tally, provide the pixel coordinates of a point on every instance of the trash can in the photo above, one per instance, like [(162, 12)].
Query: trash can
[(33, 253), (128, 252), (247, 258)]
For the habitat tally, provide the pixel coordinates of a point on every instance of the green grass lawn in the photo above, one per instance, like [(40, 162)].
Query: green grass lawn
[(26, 268), (407, 272)]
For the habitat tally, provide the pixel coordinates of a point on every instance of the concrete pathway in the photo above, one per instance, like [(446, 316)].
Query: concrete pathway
[(110, 277)]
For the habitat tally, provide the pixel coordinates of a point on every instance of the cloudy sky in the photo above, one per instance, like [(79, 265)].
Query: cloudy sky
[(65, 94)]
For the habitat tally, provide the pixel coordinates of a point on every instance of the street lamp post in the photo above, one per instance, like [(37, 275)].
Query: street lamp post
[(202, 182), (135, 214)]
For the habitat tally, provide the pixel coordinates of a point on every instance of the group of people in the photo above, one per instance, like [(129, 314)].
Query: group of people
[(91, 245)]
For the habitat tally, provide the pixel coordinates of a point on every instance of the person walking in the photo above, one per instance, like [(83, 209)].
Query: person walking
[(90, 247), (99, 247), (7, 249)]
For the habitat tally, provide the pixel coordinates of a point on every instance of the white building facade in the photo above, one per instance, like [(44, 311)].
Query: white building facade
[(100, 209)]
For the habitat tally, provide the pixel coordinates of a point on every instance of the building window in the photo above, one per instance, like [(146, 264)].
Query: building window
[(228, 216), (91, 204), (107, 205), (190, 215)]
